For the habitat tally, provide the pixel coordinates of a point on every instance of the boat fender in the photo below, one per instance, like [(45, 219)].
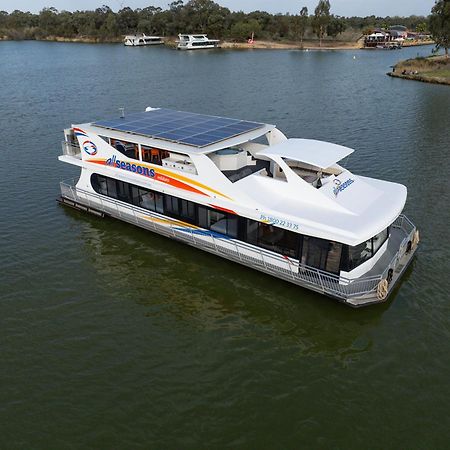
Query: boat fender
[(382, 289), (416, 239)]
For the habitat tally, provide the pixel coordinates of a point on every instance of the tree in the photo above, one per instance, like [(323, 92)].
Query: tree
[(422, 27), (241, 31), (302, 24), (321, 19), (336, 26), (440, 24)]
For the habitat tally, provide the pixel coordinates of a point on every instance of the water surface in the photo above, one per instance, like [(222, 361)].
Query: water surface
[(112, 337)]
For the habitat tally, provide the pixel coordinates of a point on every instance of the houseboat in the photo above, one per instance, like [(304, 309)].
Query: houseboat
[(196, 42), (140, 40), (243, 191)]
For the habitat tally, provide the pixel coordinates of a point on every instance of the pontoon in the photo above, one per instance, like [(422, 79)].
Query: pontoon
[(196, 42), (244, 191)]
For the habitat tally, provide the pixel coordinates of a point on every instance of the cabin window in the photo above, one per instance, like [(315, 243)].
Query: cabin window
[(263, 235), (171, 205), (218, 221), (314, 252), (321, 254), (272, 238), (112, 191), (147, 200), (129, 149), (360, 253), (153, 155), (123, 191), (379, 240), (334, 257), (187, 210), (99, 184)]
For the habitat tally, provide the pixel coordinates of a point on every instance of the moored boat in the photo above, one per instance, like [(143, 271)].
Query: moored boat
[(286, 207), (140, 40), (196, 42)]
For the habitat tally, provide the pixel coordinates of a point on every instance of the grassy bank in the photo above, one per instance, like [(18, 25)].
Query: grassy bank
[(434, 69)]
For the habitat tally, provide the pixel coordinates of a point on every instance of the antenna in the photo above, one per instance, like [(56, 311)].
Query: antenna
[(122, 112)]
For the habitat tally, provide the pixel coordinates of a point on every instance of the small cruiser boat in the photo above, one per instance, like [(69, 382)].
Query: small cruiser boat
[(196, 42), (140, 40), (243, 191)]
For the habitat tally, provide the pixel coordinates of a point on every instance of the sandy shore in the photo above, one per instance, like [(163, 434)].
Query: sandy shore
[(307, 45)]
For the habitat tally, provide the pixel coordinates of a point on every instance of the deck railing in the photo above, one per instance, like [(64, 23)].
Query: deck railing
[(283, 267), (70, 149)]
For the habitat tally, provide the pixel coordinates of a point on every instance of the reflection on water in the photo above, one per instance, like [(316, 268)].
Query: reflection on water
[(209, 293)]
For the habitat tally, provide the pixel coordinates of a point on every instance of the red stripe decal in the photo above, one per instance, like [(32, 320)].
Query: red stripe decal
[(223, 209)]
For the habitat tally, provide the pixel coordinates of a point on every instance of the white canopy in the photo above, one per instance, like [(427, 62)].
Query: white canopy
[(316, 153)]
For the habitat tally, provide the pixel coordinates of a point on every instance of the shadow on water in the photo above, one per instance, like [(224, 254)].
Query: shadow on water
[(209, 294)]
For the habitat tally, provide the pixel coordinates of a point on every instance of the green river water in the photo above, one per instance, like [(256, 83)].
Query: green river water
[(112, 337)]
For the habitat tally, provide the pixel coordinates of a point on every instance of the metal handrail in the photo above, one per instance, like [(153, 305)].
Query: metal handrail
[(70, 149), (340, 286)]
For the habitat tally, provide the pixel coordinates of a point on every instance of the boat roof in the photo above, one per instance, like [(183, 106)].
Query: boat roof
[(315, 153), (191, 131)]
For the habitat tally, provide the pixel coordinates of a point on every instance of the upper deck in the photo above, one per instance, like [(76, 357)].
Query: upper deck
[(297, 182), (179, 131)]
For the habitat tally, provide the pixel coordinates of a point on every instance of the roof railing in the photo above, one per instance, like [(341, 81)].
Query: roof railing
[(70, 149)]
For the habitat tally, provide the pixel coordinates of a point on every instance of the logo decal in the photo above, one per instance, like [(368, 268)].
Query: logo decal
[(90, 148), (340, 186)]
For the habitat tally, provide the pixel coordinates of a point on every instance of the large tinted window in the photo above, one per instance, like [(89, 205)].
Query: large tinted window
[(360, 253), (263, 235), (271, 238)]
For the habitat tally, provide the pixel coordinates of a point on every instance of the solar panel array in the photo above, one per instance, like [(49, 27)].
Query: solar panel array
[(197, 130)]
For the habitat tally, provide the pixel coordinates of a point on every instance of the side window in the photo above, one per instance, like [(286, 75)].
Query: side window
[(112, 190), (359, 254), (380, 239), (334, 257), (147, 199), (153, 155), (232, 225), (159, 204), (314, 252), (187, 210), (203, 217), (99, 184), (251, 232), (217, 222), (123, 191), (171, 205), (129, 149)]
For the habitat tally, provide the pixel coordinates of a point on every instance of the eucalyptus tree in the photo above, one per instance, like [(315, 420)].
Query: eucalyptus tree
[(440, 24), (321, 19), (303, 20)]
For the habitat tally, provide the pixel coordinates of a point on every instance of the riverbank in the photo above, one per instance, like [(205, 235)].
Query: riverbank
[(434, 69), (270, 45)]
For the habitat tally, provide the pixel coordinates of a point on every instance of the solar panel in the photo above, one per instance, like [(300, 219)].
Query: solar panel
[(198, 130)]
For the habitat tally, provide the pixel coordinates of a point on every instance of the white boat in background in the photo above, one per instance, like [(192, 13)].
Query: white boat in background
[(196, 42), (244, 191), (142, 39)]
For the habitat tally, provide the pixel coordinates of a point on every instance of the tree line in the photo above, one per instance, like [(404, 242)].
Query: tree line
[(195, 16)]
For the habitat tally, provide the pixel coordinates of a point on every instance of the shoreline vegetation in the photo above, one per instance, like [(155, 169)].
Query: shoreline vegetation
[(433, 69), (257, 44), (318, 29)]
